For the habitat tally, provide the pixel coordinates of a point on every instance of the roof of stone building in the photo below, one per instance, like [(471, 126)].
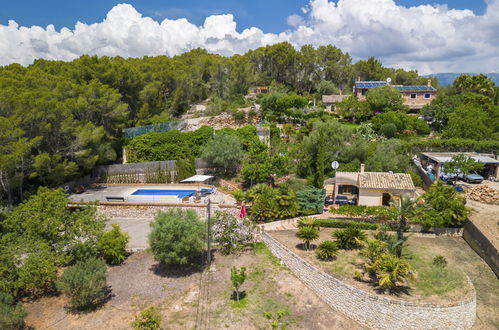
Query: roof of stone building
[(383, 180), (333, 98)]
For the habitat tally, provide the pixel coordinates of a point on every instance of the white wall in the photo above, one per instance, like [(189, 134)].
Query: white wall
[(369, 197)]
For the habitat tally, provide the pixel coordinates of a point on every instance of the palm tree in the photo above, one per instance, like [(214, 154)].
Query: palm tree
[(307, 234), (403, 211)]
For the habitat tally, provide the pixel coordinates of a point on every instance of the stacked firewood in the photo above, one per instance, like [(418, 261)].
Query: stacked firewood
[(483, 194)]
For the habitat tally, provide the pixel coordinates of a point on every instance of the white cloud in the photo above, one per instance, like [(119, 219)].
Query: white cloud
[(429, 38)]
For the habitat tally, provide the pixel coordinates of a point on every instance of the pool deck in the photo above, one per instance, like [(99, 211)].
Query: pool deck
[(99, 194)]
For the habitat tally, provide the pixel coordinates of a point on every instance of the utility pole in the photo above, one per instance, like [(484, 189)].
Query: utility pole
[(209, 232)]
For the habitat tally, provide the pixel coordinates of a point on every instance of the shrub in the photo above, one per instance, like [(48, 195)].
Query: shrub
[(327, 250), (349, 238), (239, 115), (83, 250), (148, 319), (416, 179), (334, 223), (177, 237), (239, 195), (112, 245), (84, 283), (307, 234), (390, 270), (381, 212), (440, 261), (307, 221), (311, 199), (231, 233), (11, 315), (237, 276), (223, 152), (389, 130), (38, 270)]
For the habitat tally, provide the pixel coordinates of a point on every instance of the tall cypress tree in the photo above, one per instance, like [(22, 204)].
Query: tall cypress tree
[(319, 162)]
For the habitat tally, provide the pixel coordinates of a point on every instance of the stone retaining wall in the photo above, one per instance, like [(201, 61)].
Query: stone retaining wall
[(371, 310), (150, 211), (482, 245)]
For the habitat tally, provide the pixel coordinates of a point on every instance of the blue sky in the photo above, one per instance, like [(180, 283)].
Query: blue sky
[(426, 35), (268, 15)]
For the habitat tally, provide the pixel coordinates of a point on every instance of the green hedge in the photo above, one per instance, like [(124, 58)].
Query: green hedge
[(334, 223), (169, 145), (361, 210)]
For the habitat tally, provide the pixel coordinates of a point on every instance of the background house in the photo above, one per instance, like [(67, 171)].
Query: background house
[(373, 188), (438, 159), (415, 97), (330, 100)]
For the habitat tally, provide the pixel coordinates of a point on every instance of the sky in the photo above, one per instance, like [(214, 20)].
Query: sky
[(428, 35)]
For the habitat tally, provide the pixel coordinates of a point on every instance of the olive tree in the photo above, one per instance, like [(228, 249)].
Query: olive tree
[(177, 237)]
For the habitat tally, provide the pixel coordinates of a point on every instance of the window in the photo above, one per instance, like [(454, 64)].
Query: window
[(343, 189), (413, 96), (363, 91), (427, 96)]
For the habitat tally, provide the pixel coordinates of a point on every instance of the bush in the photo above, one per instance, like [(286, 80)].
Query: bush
[(177, 237), (112, 245), (239, 195), (389, 130), (232, 233), (307, 221), (148, 319), (311, 199), (307, 234), (349, 238), (380, 212), (327, 250), (239, 115), (11, 315), (416, 179), (440, 261), (84, 283), (82, 251), (333, 223)]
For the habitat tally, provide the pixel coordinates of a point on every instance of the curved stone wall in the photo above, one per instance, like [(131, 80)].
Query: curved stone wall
[(371, 310)]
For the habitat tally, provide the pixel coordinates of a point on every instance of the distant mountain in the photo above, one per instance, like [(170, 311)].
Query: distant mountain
[(448, 78)]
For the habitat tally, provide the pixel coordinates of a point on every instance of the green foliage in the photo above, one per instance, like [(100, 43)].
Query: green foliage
[(443, 207), (276, 106), (327, 250), (148, 319), (45, 217), (307, 234), (440, 261), (390, 270), (237, 277), (239, 195), (307, 221), (381, 212), (388, 130), (373, 249), (84, 283), (354, 110), (385, 98), (112, 245), (416, 179), (311, 199), (474, 83), (82, 251), (319, 162), (472, 122), (325, 87), (170, 145), (349, 238), (11, 315), (231, 233), (268, 204), (223, 152), (258, 165), (184, 168), (177, 236), (454, 144), (404, 123), (333, 223), (462, 164), (239, 115), (388, 156)]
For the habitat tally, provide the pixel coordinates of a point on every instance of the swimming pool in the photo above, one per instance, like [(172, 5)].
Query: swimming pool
[(163, 192)]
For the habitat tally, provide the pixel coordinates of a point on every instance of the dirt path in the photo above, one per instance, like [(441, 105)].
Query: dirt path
[(486, 218)]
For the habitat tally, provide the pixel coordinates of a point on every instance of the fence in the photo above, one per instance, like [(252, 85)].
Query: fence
[(162, 127), (482, 245)]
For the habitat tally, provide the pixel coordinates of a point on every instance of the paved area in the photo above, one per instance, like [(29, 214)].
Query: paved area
[(138, 228), (100, 194)]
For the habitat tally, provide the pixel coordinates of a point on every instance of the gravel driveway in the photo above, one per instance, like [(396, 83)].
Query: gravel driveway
[(138, 228)]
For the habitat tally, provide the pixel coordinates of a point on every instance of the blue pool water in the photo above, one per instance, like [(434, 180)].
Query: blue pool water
[(163, 192)]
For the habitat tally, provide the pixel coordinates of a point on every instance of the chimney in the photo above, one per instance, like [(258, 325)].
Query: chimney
[(362, 168), (428, 83)]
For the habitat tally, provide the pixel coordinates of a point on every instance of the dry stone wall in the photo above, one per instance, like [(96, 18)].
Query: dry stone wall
[(150, 211), (371, 310)]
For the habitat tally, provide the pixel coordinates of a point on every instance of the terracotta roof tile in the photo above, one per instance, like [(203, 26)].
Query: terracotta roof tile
[(381, 180)]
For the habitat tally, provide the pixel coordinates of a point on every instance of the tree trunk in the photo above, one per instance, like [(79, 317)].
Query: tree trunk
[(401, 229), (237, 295)]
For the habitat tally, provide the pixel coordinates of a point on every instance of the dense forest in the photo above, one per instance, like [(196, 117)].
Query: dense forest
[(60, 119)]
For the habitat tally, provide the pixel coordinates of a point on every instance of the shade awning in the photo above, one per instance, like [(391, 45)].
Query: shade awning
[(198, 178)]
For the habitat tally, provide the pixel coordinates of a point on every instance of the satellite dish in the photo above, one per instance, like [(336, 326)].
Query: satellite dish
[(388, 80), (335, 165)]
